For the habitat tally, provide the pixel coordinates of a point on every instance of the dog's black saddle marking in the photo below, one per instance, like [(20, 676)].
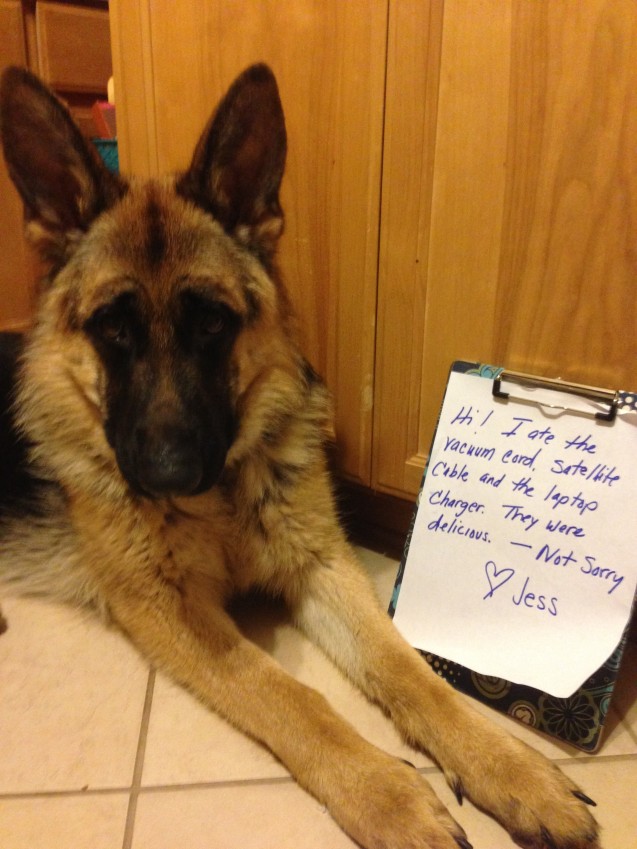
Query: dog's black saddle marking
[(19, 487)]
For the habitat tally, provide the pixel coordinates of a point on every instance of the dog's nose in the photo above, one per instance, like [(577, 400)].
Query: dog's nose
[(169, 461)]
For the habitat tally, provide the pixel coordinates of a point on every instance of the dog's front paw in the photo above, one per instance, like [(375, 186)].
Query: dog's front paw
[(390, 805), (531, 797)]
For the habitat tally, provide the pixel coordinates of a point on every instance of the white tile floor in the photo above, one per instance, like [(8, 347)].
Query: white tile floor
[(96, 752)]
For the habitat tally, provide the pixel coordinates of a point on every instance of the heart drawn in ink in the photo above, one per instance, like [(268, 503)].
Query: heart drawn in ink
[(496, 577)]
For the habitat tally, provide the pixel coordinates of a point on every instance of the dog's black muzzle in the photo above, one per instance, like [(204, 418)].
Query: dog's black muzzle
[(169, 459), (168, 462)]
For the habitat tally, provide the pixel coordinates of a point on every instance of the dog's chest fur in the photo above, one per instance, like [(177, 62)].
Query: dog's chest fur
[(216, 544)]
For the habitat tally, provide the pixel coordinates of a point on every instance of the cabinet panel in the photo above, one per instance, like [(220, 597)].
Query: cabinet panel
[(526, 218), (15, 268), (73, 47), (413, 78), (567, 296), (329, 59), (12, 36)]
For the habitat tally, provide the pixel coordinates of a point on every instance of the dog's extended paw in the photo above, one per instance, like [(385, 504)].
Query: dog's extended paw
[(391, 806), (531, 797)]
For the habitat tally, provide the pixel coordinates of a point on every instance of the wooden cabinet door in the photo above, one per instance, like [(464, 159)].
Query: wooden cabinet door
[(171, 66), (74, 52), (509, 205), (16, 271)]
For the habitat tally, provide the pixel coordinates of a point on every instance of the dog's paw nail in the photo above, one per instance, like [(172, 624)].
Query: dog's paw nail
[(547, 838), (409, 763), (583, 798), (463, 843), (458, 789)]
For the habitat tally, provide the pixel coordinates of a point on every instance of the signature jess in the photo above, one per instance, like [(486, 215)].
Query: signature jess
[(497, 578), (539, 602)]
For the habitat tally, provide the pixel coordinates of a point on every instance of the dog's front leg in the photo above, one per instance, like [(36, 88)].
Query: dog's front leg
[(531, 797), (375, 798)]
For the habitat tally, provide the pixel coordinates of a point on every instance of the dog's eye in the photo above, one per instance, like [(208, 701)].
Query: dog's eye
[(112, 327), (115, 329), (205, 322), (212, 326), (212, 323)]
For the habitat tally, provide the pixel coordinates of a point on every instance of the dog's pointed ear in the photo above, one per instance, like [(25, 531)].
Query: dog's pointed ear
[(238, 164), (59, 175)]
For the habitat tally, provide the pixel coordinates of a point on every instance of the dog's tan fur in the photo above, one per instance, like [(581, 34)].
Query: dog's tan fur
[(164, 569)]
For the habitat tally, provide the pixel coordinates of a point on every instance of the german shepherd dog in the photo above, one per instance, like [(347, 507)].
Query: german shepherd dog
[(162, 445)]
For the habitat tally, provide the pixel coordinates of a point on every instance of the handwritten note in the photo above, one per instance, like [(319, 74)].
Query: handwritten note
[(522, 561)]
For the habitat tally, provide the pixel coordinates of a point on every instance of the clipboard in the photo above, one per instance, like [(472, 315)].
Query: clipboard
[(579, 718)]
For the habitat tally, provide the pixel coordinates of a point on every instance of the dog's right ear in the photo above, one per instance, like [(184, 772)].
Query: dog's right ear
[(238, 164), (62, 181)]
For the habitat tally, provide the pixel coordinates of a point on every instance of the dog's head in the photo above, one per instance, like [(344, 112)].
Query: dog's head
[(162, 312)]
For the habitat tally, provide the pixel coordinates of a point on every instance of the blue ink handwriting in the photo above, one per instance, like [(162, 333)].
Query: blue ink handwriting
[(523, 486), (582, 443), (463, 417), (598, 572), (457, 527), (560, 527), (600, 473), (538, 602), (527, 460), (460, 447), (442, 469), (544, 435), (556, 557), (560, 499), (491, 480), (496, 577), (444, 499), (516, 513)]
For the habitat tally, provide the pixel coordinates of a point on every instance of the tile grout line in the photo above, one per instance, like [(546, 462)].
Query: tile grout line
[(137, 789), (151, 789), (279, 780), (139, 762), (65, 794), (223, 784)]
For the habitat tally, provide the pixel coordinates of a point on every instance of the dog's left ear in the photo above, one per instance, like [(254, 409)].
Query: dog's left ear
[(62, 181), (238, 164)]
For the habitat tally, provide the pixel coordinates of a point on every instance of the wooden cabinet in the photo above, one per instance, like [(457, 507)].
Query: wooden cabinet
[(509, 211), (461, 183), (15, 263), (68, 46)]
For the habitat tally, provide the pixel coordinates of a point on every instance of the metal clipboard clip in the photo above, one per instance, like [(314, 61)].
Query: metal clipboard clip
[(591, 393)]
